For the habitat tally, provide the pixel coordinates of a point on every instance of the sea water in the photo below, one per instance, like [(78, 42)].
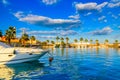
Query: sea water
[(68, 64)]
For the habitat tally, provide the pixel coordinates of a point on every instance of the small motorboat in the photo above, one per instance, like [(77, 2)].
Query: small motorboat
[(11, 55)]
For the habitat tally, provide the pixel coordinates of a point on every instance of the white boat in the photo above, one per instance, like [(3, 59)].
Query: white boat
[(9, 55)]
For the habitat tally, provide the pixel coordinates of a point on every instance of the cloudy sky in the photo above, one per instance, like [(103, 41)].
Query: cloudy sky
[(46, 19)]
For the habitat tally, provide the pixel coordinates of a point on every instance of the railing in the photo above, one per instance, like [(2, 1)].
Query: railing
[(4, 45)]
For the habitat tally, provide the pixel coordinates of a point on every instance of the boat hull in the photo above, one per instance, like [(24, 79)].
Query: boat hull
[(20, 57)]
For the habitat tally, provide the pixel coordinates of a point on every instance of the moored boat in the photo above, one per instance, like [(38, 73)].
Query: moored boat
[(9, 55)]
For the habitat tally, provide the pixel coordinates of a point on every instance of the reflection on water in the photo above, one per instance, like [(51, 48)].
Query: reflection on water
[(20, 71), (68, 64), (62, 51), (97, 50), (107, 50), (66, 52), (6, 72), (75, 50)]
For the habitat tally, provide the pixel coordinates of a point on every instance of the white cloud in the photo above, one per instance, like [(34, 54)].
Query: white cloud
[(89, 13), (90, 6), (109, 13), (115, 0), (19, 14), (46, 37), (101, 18), (24, 29), (49, 2), (119, 14), (5, 2), (112, 5), (102, 5), (119, 27), (104, 31), (43, 32), (115, 17), (75, 16), (46, 21), (48, 34), (54, 32), (68, 32), (105, 20)]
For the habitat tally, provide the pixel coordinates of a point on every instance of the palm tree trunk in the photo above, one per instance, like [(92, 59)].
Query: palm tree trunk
[(24, 43), (9, 40)]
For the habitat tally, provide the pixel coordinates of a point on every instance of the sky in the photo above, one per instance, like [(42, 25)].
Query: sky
[(46, 19)]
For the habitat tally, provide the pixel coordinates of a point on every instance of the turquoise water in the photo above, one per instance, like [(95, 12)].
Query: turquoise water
[(68, 64)]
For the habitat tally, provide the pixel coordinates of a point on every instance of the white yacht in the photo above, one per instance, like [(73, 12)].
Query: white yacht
[(9, 55)]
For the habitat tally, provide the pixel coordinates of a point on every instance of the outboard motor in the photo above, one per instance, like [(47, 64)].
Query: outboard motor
[(50, 58)]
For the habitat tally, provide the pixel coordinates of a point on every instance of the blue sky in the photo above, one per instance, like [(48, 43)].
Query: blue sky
[(46, 19)]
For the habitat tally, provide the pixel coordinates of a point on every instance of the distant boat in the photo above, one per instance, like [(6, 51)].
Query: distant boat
[(9, 55)]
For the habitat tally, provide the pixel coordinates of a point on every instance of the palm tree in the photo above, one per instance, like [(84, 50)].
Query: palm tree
[(81, 39), (0, 33), (62, 44), (47, 41), (86, 40), (75, 40), (116, 44), (13, 30), (106, 41), (10, 34), (32, 38), (116, 41), (44, 43), (97, 42), (67, 39), (52, 42), (24, 38), (91, 41), (62, 41), (57, 38), (61, 38)]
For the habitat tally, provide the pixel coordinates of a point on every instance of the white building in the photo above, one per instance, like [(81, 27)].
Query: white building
[(81, 44)]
